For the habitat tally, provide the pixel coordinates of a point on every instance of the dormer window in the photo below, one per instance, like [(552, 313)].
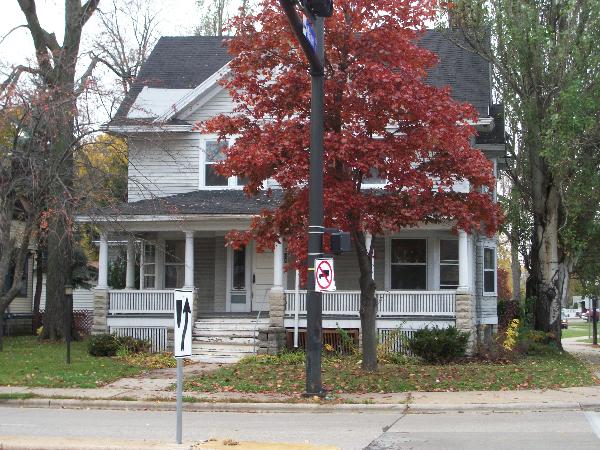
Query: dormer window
[(213, 152)]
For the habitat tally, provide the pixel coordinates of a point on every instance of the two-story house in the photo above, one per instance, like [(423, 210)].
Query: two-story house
[(179, 210)]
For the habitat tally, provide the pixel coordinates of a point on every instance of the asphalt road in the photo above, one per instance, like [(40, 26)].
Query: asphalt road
[(375, 431)]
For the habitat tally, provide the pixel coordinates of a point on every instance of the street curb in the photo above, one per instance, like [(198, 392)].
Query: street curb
[(498, 407), (201, 406), (414, 408)]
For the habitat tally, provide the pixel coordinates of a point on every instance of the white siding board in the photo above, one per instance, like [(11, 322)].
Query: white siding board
[(163, 167), (220, 103)]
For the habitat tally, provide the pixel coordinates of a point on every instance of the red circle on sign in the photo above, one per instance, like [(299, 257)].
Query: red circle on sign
[(324, 273)]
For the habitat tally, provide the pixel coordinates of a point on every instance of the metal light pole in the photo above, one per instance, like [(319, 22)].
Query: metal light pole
[(315, 215), (314, 322)]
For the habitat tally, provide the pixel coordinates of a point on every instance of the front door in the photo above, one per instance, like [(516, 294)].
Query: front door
[(240, 292)]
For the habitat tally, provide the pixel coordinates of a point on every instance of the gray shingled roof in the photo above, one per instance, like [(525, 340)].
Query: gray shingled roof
[(199, 202), (184, 62), (181, 62)]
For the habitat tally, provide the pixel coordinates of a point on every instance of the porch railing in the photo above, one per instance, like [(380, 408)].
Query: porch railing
[(390, 303), (141, 302)]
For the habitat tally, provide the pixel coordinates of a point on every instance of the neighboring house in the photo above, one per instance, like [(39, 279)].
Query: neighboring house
[(181, 210), (18, 315)]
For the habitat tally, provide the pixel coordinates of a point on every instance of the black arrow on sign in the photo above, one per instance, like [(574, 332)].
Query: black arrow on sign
[(178, 309), (187, 311)]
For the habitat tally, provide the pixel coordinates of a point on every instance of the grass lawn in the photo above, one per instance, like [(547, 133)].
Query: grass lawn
[(576, 329), (26, 361), (285, 374)]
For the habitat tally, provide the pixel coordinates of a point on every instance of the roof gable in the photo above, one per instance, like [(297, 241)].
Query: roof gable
[(195, 63)]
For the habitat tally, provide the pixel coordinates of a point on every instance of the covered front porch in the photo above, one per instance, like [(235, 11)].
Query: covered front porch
[(419, 273)]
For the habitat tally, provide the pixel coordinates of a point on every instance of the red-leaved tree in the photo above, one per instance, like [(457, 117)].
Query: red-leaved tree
[(381, 116)]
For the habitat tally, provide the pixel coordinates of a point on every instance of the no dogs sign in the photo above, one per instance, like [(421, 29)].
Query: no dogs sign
[(324, 275)]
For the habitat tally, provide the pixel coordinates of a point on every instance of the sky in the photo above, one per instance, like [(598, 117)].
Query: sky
[(176, 17)]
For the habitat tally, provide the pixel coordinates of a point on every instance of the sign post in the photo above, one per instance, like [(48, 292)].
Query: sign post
[(184, 303)]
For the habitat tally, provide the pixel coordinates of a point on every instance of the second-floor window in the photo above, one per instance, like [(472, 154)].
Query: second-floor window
[(211, 154)]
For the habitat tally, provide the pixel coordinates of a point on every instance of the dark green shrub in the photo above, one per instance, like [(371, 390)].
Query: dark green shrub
[(103, 345), (132, 345), (435, 345), (111, 345)]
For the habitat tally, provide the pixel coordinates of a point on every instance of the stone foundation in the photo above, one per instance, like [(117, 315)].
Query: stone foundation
[(465, 317), (271, 340), (100, 325), (276, 307)]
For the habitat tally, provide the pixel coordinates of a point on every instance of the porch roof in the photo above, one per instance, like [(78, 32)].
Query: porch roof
[(207, 202)]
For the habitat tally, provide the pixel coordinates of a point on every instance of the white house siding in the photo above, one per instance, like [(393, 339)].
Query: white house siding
[(262, 268), (163, 164), (160, 166), (23, 305), (220, 103), (83, 299), (487, 305)]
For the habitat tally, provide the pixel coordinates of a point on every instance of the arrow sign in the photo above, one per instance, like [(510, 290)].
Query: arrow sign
[(183, 316), (187, 311), (178, 312)]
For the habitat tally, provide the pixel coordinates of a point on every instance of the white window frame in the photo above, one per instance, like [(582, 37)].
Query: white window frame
[(232, 182), (484, 270), (426, 264), (143, 265), (440, 263), (174, 264)]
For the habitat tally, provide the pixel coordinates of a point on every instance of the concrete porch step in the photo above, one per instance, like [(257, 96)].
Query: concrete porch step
[(223, 340), (232, 320), (224, 333), (231, 327), (201, 348)]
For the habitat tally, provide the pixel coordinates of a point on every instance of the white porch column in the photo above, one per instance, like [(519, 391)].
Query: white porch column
[(130, 274), (368, 242), (103, 262), (278, 265), (463, 261), (189, 259)]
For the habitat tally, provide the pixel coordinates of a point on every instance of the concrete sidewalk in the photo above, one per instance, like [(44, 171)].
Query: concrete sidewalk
[(411, 402)]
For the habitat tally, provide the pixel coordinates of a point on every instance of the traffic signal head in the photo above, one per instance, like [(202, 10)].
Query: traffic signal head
[(321, 8)]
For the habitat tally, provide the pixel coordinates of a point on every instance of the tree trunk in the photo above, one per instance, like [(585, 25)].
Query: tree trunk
[(544, 280), (37, 297), (59, 274), (368, 303), (515, 268)]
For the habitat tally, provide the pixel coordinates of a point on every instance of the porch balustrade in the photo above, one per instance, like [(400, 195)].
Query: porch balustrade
[(390, 303), (141, 302)]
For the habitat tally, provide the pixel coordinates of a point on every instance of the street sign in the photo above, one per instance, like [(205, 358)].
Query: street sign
[(184, 303), (324, 275), (309, 32)]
